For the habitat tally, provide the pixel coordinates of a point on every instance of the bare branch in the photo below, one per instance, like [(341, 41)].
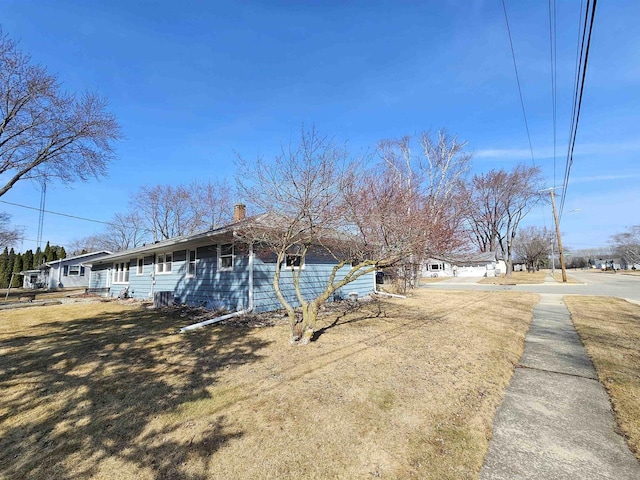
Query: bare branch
[(44, 132)]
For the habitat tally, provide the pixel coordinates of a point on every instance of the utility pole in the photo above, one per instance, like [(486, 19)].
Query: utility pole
[(560, 253)]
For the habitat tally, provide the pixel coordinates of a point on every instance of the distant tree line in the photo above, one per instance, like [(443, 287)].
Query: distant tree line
[(12, 262), (161, 212)]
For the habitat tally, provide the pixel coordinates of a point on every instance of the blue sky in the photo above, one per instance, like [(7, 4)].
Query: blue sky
[(192, 82)]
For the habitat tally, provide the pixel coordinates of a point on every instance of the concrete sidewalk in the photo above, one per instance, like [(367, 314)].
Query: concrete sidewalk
[(555, 421)]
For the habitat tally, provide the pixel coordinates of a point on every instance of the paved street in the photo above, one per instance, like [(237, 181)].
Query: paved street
[(593, 283)]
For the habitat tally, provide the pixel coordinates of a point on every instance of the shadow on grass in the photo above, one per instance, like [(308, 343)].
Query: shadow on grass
[(87, 389), (367, 314)]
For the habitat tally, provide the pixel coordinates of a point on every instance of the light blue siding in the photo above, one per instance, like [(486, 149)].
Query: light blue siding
[(99, 274), (213, 288), (313, 281)]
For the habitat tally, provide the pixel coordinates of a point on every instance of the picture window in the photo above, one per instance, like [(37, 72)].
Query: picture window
[(121, 272)]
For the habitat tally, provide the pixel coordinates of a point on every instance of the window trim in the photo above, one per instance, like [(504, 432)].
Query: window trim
[(140, 266), (164, 263), (221, 256), (193, 262), (74, 271), (292, 267), (121, 269)]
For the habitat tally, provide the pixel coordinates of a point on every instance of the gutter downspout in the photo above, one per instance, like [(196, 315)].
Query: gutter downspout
[(377, 292), (249, 308)]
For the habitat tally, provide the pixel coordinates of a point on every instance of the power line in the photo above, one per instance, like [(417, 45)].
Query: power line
[(515, 67), (553, 54), (56, 213), (576, 77), (578, 92), (43, 195)]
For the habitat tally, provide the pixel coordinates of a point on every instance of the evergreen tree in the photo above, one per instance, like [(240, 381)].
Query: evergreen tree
[(27, 260), (38, 258), (4, 267), (48, 253), (6, 277), (61, 253), (17, 268)]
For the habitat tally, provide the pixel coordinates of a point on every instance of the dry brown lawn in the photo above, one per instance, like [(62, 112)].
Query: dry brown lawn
[(16, 293), (425, 280), (516, 278), (558, 278), (394, 389), (610, 330)]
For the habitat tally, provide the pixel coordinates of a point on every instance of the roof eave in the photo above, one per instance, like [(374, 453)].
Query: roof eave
[(160, 246)]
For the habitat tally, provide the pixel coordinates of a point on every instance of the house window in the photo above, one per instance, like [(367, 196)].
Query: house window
[(435, 266), (121, 272), (225, 258), (65, 270), (163, 262), (294, 261), (74, 270), (191, 268), (140, 266)]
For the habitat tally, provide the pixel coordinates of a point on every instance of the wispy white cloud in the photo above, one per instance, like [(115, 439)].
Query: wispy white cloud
[(547, 152), (603, 178), (503, 153)]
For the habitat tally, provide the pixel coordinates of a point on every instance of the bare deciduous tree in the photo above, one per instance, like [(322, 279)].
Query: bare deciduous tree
[(126, 230), (9, 236), (431, 187), (532, 246), (211, 202), (320, 201), (172, 211), (161, 212), (301, 193), (44, 132), (627, 245), (497, 202)]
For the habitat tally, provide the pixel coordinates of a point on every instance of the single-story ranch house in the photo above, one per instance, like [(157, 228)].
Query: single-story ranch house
[(64, 273), (216, 269), (475, 265)]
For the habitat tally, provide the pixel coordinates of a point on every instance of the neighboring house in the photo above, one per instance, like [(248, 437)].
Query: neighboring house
[(72, 271), (65, 273), (35, 278), (626, 265), (216, 269), (473, 265), (607, 264)]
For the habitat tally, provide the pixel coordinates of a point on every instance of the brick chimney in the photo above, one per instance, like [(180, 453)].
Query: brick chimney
[(239, 212)]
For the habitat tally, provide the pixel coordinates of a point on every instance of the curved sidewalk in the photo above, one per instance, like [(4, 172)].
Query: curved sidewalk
[(555, 421)]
